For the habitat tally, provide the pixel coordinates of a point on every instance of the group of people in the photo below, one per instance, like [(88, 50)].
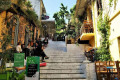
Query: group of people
[(35, 49)]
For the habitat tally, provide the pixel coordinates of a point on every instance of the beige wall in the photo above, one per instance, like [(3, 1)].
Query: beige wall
[(114, 50)]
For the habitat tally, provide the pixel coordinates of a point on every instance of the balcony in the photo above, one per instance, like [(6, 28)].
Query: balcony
[(86, 31)]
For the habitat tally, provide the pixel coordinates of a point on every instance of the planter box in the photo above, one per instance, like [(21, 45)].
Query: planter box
[(5, 76)]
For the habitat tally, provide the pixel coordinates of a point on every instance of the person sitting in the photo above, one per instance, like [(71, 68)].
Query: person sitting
[(18, 48), (39, 52)]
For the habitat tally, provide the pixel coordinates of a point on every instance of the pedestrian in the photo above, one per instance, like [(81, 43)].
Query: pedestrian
[(18, 47), (45, 42)]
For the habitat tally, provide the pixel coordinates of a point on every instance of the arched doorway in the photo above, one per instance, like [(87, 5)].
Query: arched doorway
[(14, 27)]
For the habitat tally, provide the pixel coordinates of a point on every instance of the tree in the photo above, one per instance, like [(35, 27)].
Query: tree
[(60, 17)]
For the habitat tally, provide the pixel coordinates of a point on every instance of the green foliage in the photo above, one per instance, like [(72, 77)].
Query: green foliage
[(110, 3), (74, 23), (21, 2), (6, 41), (32, 15), (4, 5), (60, 18), (28, 4), (103, 53), (17, 76)]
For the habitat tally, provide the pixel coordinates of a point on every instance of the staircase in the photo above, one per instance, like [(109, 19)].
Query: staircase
[(62, 64)]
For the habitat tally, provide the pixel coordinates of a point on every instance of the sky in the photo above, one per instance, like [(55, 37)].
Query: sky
[(52, 6)]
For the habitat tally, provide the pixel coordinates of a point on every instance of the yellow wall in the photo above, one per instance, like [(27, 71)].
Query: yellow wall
[(92, 42), (95, 18)]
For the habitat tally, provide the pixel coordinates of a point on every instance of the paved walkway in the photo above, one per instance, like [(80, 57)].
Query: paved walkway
[(64, 63)]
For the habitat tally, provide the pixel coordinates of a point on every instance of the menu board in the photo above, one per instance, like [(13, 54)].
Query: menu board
[(19, 59), (32, 66), (32, 69)]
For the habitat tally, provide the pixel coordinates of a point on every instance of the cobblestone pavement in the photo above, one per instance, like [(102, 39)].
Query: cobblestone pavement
[(65, 63)]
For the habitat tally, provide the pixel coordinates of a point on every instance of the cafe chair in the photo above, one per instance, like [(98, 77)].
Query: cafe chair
[(118, 69)]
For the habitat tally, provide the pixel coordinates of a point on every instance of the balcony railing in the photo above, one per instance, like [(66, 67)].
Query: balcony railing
[(87, 27)]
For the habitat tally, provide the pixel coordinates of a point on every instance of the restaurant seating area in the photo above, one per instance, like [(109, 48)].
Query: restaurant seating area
[(107, 70)]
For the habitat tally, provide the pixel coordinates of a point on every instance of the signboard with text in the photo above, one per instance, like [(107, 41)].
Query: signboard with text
[(32, 67), (19, 59)]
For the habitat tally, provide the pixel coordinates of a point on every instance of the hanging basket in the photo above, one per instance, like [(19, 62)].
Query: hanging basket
[(4, 5)]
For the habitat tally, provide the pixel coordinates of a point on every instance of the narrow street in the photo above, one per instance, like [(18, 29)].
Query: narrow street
[(63, 64)]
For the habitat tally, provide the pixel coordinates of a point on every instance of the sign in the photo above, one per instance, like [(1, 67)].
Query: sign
[(46, 17), (19, 59), (32, 69), (32, 66)]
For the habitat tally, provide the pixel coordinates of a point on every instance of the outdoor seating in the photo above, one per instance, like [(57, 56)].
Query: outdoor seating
[(118, 69), (106, 70)]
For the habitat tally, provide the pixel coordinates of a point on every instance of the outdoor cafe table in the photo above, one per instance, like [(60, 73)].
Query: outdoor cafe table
[(111, 71)]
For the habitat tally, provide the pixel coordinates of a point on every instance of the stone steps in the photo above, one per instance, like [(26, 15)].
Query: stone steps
[(67, 67), (65, 60), (63, 65), (62, 76), (62, 71), (62, 58), (51, 56), (63, 79)]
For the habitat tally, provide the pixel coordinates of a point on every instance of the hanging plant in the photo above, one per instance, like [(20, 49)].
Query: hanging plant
[(4, 5)]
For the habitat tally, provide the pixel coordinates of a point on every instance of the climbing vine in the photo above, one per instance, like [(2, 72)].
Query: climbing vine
[(103, 25), (111, 3)]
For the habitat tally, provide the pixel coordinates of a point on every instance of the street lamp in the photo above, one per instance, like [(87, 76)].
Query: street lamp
[(68, 17)]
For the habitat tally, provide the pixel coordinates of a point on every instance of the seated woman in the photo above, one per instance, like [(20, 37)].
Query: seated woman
[(39, 52), (18, 48)]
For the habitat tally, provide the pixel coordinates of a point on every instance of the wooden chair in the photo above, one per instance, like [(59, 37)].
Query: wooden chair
[(111, 72), (118, 69), (101, 70)]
